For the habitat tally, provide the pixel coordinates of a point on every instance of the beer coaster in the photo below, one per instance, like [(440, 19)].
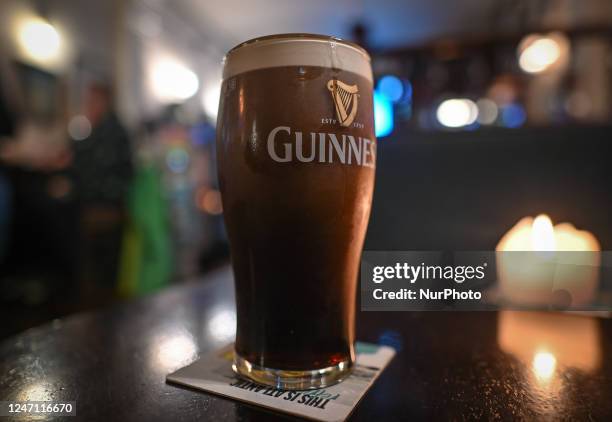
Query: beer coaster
[(213, 373)]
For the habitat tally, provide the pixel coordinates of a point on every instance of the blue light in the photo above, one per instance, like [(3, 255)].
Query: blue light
[(513, 115), (383, 115), (391, 87), (177, 160)]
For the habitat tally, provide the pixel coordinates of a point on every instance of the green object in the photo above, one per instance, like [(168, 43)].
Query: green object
[(146, 263)]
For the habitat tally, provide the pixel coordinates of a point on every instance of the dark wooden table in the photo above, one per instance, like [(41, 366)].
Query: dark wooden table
[(457, 366)]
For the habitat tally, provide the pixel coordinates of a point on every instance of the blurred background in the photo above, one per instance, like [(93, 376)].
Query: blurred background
[(487, 111)]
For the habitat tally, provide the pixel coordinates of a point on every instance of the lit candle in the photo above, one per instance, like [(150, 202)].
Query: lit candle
[(533, 278)]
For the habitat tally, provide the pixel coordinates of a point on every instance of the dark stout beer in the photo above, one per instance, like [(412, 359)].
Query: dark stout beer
[(296, 156)]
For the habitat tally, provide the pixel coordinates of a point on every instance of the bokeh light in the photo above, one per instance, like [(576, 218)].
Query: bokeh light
[(487, 111), (79, 128), (539, 53), (39, 39), (209, 200), (457, 112), (383, 115), (177, 160), (513, 115), (391, 87), (172, 81)]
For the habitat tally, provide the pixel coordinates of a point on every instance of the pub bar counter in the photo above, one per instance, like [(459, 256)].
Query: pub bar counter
[(114, 362)]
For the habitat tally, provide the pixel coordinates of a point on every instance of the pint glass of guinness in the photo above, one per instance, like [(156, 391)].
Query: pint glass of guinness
[(296, 157)]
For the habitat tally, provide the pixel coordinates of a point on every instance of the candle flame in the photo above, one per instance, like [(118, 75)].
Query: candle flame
[(542, 234)]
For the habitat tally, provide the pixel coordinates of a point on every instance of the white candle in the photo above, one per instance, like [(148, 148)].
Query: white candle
[(532, 278)]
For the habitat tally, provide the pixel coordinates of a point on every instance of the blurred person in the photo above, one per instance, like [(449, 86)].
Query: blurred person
[(37, 231), (102, 167)]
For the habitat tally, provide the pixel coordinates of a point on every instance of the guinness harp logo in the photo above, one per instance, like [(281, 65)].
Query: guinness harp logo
[(345, 98)]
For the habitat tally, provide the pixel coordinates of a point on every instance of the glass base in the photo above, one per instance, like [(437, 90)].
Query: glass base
[(292, 380)]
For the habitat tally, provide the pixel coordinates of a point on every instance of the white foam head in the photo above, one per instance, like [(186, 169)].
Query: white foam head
[(297, 50)]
